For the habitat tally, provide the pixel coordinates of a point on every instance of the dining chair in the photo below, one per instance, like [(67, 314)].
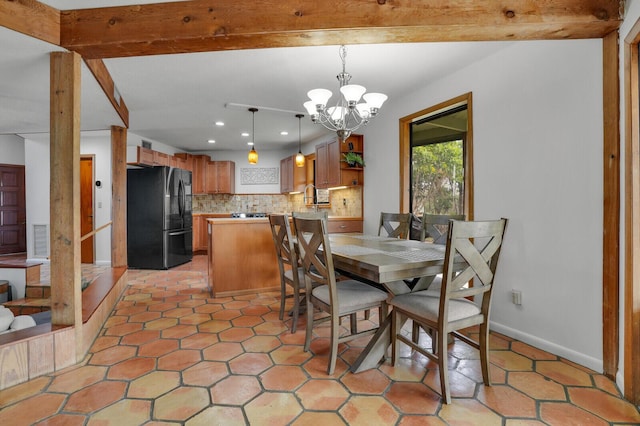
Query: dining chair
[(435, 226), (323, 292), (476, 246), (395, 225), (291, 272)]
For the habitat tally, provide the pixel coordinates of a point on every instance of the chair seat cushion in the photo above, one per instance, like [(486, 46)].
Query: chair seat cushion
[(425, 304), (289, 275), (352, 295)]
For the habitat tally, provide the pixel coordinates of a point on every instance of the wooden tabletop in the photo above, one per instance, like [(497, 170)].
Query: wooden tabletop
[(384, 260)]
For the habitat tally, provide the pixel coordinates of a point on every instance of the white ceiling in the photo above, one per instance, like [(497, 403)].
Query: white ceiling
[(176, 99)]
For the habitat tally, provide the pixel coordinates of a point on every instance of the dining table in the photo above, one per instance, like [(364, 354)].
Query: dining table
[(389, 262)]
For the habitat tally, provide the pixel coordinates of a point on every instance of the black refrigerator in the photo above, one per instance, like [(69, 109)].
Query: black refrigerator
[(159, 222)]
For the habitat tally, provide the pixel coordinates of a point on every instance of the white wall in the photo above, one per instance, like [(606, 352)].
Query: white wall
[(37, 180), (11, 150), (537, 134)]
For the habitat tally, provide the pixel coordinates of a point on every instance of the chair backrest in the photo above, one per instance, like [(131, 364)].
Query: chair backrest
[(324, 215), (471, 257), (436, 226), (285, 249), (396, 225), (315, 254)]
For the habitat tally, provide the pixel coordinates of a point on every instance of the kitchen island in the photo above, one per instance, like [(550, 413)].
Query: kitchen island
[(242, 257)]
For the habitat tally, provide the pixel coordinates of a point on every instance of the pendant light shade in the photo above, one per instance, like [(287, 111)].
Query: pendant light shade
[(253, 154), (299, 155)]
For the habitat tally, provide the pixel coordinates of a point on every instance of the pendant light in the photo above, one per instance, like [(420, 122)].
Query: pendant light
[(299, 155), (253, 154)]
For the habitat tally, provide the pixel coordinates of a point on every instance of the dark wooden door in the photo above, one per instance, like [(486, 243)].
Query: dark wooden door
[(13, 217), (86, 208)]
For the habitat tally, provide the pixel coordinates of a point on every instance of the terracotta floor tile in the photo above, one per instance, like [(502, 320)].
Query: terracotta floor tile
[(179, 360), (250, 363), (31, 410), (64, 420), (223, 351), (158, 348), (468, 411), (563, 373), (236, 334), (604, 405), (24, 390), (235, 390), (126, 411), (182, 357), (131, 368), (216, 415), (205, 373), (413, 398), (261, 344), (113, 355), (272, 408), (290, 355), (507, 401), (537, 386), (322, 395), (371, 382), (138, 338), (95, 397), (181, 403), (561, 413), (310, 418), (283, 378), (179, 331), (369, 410), (78, 378), (153, 384)]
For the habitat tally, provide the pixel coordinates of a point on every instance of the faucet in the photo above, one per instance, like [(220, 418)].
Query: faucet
[(305, 197)]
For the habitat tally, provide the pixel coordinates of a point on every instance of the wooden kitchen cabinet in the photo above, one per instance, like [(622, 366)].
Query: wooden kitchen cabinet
[(199, 233), (330, 170), (220, 177), (292, 177), (199, 173)]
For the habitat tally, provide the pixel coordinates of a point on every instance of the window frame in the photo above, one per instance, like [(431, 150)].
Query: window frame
[(405, 151)]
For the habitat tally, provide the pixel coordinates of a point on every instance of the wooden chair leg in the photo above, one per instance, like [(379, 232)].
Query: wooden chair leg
[(333, 355), (415, 333), (296, 309), (395, 320), (443, 361), (367, 314), (307, 338), (483, 342), (283, 298), (353, 321)]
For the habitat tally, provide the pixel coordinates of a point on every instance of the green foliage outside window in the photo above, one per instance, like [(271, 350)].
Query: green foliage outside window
[(437, 178)]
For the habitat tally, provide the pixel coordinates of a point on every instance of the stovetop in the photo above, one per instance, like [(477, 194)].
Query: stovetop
[(247, 215)]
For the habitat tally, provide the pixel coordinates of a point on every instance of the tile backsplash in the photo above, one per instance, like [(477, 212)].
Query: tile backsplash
[(344, 202)]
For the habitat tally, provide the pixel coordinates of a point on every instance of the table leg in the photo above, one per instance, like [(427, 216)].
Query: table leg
[(376, 350)]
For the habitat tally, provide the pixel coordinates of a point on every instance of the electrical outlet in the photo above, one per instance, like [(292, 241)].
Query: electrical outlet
[(516, 297), (344, 202)]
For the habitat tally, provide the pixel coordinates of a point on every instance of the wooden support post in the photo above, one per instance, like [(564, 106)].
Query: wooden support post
[(119, 196), (66, 302)]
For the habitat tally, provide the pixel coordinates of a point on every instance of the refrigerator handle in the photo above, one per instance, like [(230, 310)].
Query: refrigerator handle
[(181, 200)]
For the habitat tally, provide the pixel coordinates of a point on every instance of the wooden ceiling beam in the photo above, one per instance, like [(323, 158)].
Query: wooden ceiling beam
[(209, 25), (32, 18)]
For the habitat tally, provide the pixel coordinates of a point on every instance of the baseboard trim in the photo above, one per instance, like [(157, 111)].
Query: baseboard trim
[(562, 351)]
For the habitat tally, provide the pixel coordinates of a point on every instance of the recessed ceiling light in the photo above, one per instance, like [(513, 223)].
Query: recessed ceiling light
[(284, 133), (211, 141), (219, 123), (250, 143), (245, 134)]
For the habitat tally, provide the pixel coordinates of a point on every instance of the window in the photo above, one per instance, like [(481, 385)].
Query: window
[(436, 159)]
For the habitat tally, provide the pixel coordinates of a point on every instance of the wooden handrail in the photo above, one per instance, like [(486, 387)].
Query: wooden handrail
[(95, 231)]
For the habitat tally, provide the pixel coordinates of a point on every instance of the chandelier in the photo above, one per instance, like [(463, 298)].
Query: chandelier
[(253, 154), (347, 115)]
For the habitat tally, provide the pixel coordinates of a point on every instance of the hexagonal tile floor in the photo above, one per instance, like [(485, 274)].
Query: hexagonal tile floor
[(170, 354)]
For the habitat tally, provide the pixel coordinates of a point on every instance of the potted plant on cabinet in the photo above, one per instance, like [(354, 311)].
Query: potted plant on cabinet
[(353, 159)]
